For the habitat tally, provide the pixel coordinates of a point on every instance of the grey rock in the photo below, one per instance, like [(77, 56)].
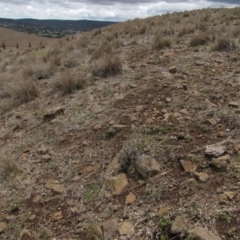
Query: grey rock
[(179, 225), (215, 150), (200, 233), (221, 162), (147, 166)]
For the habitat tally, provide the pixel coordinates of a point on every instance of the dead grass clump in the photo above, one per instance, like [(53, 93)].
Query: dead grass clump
[(224, 44), (83, 42), (186, 30), (7, 169), (106, 67), (68, 83), (38, 71), (22, 90), (112, 35), (96, 32), (105, 48), (197, 40), (160, 42)]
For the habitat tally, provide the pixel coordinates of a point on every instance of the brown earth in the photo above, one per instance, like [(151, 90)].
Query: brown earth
[(123, 148)]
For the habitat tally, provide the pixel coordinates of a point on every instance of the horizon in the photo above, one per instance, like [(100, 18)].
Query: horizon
[(103, 10)]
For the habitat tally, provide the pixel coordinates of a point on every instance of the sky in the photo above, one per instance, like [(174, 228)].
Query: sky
[(108, 10)]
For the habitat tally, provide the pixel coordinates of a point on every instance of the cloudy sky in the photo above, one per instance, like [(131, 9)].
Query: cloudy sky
[(117, 10)]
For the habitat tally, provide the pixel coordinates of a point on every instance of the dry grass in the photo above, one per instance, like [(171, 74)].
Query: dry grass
[(224, 44), (38, 71), (187, 29), (200, 39), (68, 83), (160, 42), (105, 48), (106, 67)]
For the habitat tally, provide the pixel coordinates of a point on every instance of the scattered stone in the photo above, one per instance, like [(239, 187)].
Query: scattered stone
[(199, 63), (149, 121), (209, 103), (111, 122), (218, 60), (113, 166), (25, 235), (42, 150), (85, 143), (212, 121), (10, 217), (32, 217), (53, 112), (233, 104), (91, 168), (37, 199), (201, 176), (119, 96), (125, 227), (230, 195), (57, 188), (97, 126), (57, 216), (179, 225), (220, 162), (131, 198), (110, 228), (168, 100), (46, 158), (215, 150), (117, 183), (139, 108), (3, 227), (147, 166), (221, 134), (200, 233), (172, 69), (223, 199), (162, 211), (188, 166)]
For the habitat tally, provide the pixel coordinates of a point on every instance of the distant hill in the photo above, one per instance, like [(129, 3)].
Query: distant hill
[(11, 38), (52, 28)]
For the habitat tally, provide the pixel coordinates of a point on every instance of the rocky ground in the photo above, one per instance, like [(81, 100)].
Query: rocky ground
[(147, 151)]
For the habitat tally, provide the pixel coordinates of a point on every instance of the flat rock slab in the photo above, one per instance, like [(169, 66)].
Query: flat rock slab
[(147, 166), (53, 112), (188, 166), (221, 162), (200, 233), (125, 227), (179, 225), (110, 228), (201, 176), (57, 188), (3, 227), (117, 183), (215, 150)]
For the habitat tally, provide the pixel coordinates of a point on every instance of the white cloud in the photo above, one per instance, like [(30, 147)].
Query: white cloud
[(98, 10)]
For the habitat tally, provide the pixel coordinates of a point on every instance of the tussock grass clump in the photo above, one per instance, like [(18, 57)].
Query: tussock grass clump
[(103, 49), (68, 83), (7, 169), (21, 90), (160, 42), (224, 44), (106, 67), (186, 30), (197, 40), (38, 71), (96, 32)]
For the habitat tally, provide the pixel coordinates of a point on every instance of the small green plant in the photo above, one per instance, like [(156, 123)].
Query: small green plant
[(224, 216), (165, 222), (91, 193), (189, 237), (195, 159), (13, 207), (94, 232)]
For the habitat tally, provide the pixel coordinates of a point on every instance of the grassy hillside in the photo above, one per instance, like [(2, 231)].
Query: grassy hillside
[(126, 132), (11, 38)]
